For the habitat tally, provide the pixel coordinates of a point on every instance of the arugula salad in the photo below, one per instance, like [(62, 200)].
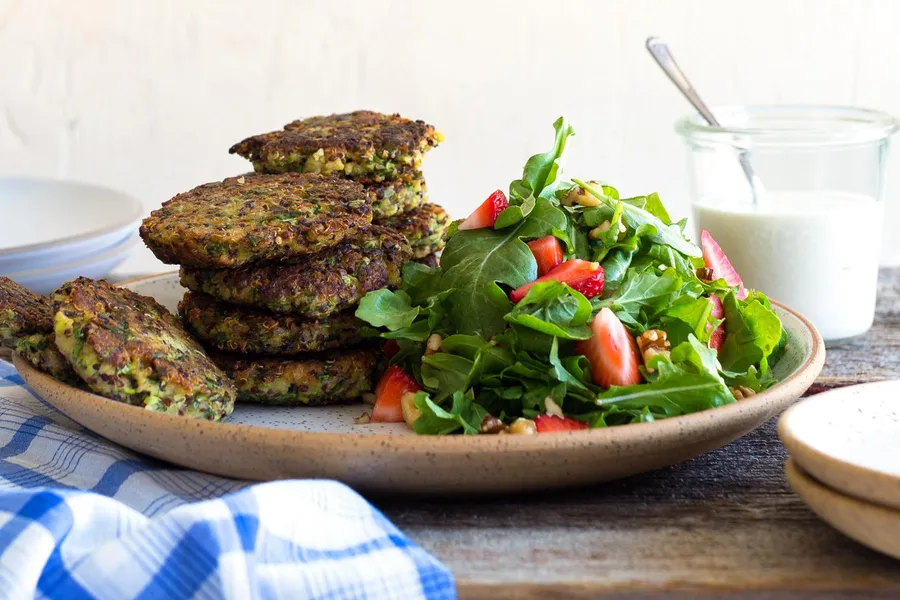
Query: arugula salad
[(561, 306)]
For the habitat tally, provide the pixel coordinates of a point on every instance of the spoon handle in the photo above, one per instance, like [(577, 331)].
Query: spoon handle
[(660, 52)]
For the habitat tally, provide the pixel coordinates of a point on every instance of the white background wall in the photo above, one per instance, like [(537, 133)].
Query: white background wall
[(147, 96)]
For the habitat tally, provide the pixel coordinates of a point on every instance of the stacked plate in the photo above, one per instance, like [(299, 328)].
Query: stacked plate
[(52, 231), (845, 460)]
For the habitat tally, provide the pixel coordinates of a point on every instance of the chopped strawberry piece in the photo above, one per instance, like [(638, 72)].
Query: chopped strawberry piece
[(718, 263), (717, 337), (611, 351), (554, 424), (390, 348), (547, 252), (388, 394), (581, 275), (486, 214)]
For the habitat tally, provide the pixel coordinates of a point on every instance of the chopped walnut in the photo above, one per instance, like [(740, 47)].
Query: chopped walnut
[(741, 392), (433, 345), (582, 197), (552, 407), (363, 419), (653, 342), (491, 424), (704, 274), (523, 427)]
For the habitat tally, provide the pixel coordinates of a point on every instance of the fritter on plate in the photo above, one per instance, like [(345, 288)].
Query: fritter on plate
[(433, 260), (40, 350), (26, 326), (22, 312), (394, 197), (315, 286), (243, 330), (424, 229), (318, 379), (129, 348), (256, 217), (363, 145)]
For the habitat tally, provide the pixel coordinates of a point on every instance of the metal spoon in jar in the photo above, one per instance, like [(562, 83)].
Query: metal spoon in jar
[(663, 57)]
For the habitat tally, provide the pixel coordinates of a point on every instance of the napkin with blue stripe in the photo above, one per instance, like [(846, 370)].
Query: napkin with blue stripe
[(83, 518)]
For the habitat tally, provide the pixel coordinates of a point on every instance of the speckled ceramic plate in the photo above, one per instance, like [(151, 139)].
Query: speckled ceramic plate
[(262, 443), (849, 439), (875, 526)]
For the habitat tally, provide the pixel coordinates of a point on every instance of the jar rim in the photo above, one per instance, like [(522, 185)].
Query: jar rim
[(790, 124)]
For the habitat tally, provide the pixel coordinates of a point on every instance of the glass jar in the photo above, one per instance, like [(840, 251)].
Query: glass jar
[(812, 240)]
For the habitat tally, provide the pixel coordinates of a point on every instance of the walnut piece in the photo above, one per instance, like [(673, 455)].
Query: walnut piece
[(653, 342), (741, 392), (705, 275), (491, 424)]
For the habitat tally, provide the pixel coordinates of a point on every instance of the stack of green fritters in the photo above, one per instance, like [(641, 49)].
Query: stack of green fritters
[(275, 264), (382, 152)]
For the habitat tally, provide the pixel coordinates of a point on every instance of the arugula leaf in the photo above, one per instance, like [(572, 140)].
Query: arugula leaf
[(635, 217), (464, 414), (475, 261), (640, 293), (752, 332), (574, 384), (555, 309), (615, 266), (444, 373), (384, 308), (541, 170)]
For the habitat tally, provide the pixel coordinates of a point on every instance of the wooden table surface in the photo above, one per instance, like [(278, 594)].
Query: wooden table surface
[(724, 524)]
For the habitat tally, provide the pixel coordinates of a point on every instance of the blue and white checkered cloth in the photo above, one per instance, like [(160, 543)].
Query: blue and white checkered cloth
[(83, 518)]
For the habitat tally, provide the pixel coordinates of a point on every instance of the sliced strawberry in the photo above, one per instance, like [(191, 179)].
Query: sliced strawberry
[(581, 275), (718, 263), (717, 337), (554, 424), (547, 252), (486, 214), (390, 348), (612, 352), (388, 394)]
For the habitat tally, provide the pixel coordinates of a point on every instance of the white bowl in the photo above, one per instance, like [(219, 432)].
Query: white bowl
[(45, 279), (46, 222)]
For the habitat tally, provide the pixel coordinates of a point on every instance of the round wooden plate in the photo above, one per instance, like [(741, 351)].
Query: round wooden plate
[(261, 443), (849, 439), (875, 526)]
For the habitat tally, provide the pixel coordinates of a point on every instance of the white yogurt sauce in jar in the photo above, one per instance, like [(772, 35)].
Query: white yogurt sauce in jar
[(815, 251)]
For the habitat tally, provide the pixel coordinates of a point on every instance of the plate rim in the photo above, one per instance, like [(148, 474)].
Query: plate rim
[(813, 461), (684, 424), (134, 218), (805, 486)]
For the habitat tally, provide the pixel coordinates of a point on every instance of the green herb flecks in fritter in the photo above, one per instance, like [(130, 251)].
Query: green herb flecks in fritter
[(363, 145), (22, 312), (40, 350), (256, 217), (319, 379), (396, 197), (129, 348), (424, 228), (315, 286), (243, 330)]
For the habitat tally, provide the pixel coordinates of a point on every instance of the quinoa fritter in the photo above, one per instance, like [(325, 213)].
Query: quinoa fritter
[(26, 326), (22, 312), (40, 350), (315, 286), (243, 330), (424, 229), (433, 260), (256, 217), (363, 145), (317, 380), (396, 197), (129, 348)]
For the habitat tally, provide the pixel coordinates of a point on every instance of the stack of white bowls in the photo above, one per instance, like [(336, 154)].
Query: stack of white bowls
[(52, 231)]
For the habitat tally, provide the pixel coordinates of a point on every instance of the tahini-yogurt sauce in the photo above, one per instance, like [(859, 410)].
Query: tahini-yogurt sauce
[(815, 251)]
